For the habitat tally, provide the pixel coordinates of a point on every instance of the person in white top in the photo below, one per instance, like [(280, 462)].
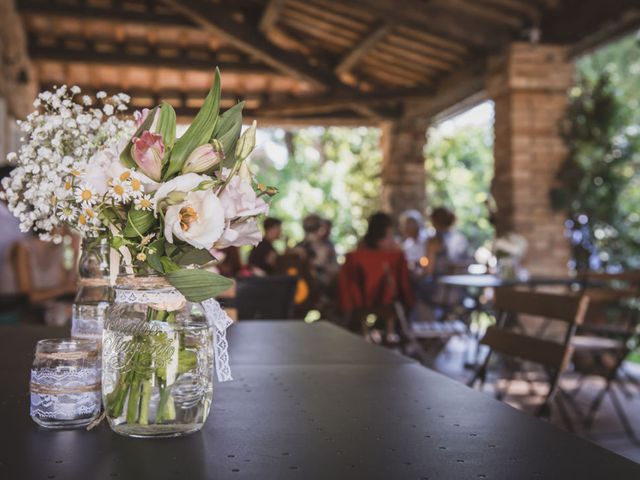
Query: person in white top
[(414, 236)]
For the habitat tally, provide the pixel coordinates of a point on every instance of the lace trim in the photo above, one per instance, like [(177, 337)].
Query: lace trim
[(170, 299), (62, 393)]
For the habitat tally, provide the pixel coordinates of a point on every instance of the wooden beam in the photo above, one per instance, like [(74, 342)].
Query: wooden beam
[(151, 56), (367, 43), (270, 15), (422, 16), (222, 21), (450, 91), (484, 12), (526, 7), (330, 103)]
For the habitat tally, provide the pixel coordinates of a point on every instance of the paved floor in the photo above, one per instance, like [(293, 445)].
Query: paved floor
[(606, 431)]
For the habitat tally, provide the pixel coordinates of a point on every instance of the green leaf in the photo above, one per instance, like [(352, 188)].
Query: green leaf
[(193, 256), (187, 361), (125, 155), (169, 265), (227, 131), (198, 285), (153, 259), (167, 126), (138, 223), (246, 143), (199, 132)]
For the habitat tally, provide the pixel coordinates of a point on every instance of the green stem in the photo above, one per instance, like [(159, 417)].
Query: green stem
[(144, 402), (166, 408), (115, 400), (133, 404)]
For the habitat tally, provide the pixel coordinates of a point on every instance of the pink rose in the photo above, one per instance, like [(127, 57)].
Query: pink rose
[(240, 200), (147, 151), (240, 233)]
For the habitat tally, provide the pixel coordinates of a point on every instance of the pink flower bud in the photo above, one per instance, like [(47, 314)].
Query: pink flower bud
[(147, 151), (203, 158)]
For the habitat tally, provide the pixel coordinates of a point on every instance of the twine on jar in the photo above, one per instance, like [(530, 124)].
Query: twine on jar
[(42, 389), (77, 355)]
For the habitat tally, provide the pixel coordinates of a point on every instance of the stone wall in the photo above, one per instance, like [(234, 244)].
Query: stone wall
[(529, 87), (403, 169)]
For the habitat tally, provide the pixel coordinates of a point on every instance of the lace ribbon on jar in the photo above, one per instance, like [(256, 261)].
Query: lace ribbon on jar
[(170, 299)]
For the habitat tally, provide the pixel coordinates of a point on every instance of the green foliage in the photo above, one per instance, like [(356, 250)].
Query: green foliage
[(334, 172), (198, 285), (598, 187), (199, 132), (459, 171)]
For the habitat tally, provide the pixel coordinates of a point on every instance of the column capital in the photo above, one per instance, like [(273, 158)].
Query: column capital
[(526, 66)]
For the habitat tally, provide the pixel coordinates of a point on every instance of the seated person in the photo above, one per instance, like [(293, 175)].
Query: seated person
[(414, 235), (263, 257), (318, 250), (375, 276), (448, 248)]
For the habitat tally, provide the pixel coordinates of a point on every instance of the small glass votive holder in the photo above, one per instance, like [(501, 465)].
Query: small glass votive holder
[(65, 383)]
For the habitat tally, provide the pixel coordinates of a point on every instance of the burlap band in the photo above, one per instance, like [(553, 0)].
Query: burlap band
[(52, 390)]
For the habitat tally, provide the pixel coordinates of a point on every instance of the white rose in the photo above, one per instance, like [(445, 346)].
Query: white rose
[(239, 234), (183, 183), (198, 220)]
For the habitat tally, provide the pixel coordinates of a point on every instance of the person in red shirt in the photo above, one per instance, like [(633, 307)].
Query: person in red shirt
[(375, 276)]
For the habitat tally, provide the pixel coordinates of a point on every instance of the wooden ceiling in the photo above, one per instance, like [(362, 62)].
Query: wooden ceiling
[(302, 61)]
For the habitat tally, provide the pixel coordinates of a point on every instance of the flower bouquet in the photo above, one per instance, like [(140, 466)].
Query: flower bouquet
[(166, 206)]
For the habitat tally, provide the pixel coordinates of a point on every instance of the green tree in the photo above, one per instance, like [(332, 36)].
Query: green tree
[(334, 172), (598, 186), (459, 171)]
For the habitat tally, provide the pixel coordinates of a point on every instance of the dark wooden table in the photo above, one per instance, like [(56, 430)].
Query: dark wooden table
[(308, 402)]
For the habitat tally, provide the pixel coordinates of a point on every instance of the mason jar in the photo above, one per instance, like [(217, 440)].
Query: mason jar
[(65, 383), (94, 294), (157, 360)]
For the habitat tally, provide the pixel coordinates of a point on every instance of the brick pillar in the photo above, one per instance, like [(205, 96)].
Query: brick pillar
[(529, 87), (403, 170)]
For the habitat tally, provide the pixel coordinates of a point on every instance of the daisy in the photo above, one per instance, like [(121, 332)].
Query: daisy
[(137, 190), (68, 213), (143, 203), (120, 191), (86, 194)]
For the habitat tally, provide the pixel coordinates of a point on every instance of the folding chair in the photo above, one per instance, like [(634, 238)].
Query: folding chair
[(553, 356), (602, 345)]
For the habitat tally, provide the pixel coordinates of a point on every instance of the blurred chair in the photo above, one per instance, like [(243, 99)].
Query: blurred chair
[(603, 343), (306, 292), (264, 298), (554, 357)]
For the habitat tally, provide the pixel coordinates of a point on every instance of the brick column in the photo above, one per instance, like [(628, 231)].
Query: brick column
[(403, 169), (529, 87)]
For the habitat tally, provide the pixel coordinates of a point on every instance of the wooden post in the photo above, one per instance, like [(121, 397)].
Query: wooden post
[(403, 169), (529, 87)]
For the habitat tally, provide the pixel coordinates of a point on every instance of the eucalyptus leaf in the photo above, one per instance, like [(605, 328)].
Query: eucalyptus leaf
[(199, 132), (138, 223), (198, 285), (125, 155)]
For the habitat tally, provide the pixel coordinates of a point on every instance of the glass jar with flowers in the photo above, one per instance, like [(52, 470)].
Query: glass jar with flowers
[(166, 206)]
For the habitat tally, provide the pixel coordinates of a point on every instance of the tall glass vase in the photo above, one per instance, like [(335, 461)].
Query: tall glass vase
[(94, 294)]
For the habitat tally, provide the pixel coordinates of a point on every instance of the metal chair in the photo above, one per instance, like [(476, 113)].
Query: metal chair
[(553, 356)]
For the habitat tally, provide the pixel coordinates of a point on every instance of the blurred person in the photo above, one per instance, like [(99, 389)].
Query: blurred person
[(447, 248), (317, 249), (373, 278), (263, 257), (414, 236)]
